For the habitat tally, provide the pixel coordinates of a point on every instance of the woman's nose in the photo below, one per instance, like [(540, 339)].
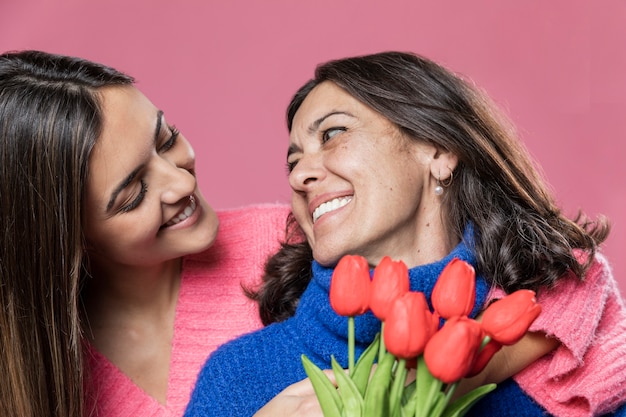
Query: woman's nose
[(177, 170), (308, 171), (183, 156)]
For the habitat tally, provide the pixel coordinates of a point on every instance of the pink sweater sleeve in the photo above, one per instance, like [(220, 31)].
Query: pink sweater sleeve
[(586, 374)]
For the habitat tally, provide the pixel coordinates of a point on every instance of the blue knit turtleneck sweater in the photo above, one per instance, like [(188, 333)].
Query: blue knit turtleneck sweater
[(244, 374)]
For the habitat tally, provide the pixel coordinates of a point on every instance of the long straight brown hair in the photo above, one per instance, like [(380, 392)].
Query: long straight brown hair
[(50, 119)]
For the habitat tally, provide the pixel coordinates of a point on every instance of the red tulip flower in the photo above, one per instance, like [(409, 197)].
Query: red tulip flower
[(390, 281), (508, 319), (450, 353), (350, 286), (409, 325), (483, 358), (455, 290)]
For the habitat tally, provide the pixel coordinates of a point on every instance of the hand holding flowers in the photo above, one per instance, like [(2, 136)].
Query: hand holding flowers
[(462, 347)]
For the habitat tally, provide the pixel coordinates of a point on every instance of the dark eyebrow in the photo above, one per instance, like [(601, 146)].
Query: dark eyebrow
[(129, 179), (158, 126), (313, 127), (316, 124)]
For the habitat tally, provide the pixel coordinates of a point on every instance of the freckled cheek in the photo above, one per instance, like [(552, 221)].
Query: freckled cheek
[(349, 161)]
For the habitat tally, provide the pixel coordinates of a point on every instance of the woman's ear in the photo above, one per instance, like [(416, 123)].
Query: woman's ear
[(443, 164)]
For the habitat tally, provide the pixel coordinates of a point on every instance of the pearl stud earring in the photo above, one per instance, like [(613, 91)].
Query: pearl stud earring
[(438, 188)]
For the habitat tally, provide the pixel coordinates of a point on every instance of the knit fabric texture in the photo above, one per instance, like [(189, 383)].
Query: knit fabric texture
[(243, 375), (211, 310), (586, 375)]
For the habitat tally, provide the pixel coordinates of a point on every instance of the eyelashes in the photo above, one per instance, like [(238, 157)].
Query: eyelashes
[(137, 200), (171, 141), (325, 136), (330, 133), (174, 133)]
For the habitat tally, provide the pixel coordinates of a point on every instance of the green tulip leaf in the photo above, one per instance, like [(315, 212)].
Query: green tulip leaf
[(408, 394), (363, 367), (408, 409), (377, 394), (439, 404), (349, 393), (326, 393), (459, 407)]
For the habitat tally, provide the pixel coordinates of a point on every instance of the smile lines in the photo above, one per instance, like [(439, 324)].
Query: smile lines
[(329, 206)]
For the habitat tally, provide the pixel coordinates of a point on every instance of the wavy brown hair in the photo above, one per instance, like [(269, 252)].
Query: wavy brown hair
[(522, 239), (50, 119)]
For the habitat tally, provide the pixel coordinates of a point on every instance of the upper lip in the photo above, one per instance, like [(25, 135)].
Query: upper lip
[(323, 198), (184, 203)]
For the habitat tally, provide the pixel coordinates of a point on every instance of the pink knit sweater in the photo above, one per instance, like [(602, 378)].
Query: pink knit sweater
[(211, 309), (586, 375)]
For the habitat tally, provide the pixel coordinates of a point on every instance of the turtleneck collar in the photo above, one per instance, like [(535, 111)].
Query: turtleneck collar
[(314, 313)]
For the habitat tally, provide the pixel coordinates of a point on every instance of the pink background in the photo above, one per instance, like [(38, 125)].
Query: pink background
[(224, 71)]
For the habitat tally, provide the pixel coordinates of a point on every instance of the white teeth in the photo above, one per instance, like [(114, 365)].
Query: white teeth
[(185, 213), (328, 206)]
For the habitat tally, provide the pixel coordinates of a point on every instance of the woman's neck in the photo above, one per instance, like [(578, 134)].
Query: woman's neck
[(129, 318), (137, 293)]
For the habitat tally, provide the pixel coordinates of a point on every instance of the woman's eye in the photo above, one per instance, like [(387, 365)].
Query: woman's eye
[(137, 200), (291, 165), (171, 141), (330, 133)]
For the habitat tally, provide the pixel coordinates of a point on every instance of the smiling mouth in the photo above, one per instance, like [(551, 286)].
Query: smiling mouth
[(188, 211), (329, 206)]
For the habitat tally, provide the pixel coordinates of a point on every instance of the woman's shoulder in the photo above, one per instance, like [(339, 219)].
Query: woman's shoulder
[(250, 232), (244, 373), (599, 267), (577, 294), (248, 352), (255, 213), (253, 225)]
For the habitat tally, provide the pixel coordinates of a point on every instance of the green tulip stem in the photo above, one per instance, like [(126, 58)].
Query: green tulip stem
[(450, 391), (486, 340), (350, 345), (381, 346)]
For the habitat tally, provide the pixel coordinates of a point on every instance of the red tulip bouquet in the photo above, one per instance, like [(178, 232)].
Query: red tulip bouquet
[(412, 337)]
